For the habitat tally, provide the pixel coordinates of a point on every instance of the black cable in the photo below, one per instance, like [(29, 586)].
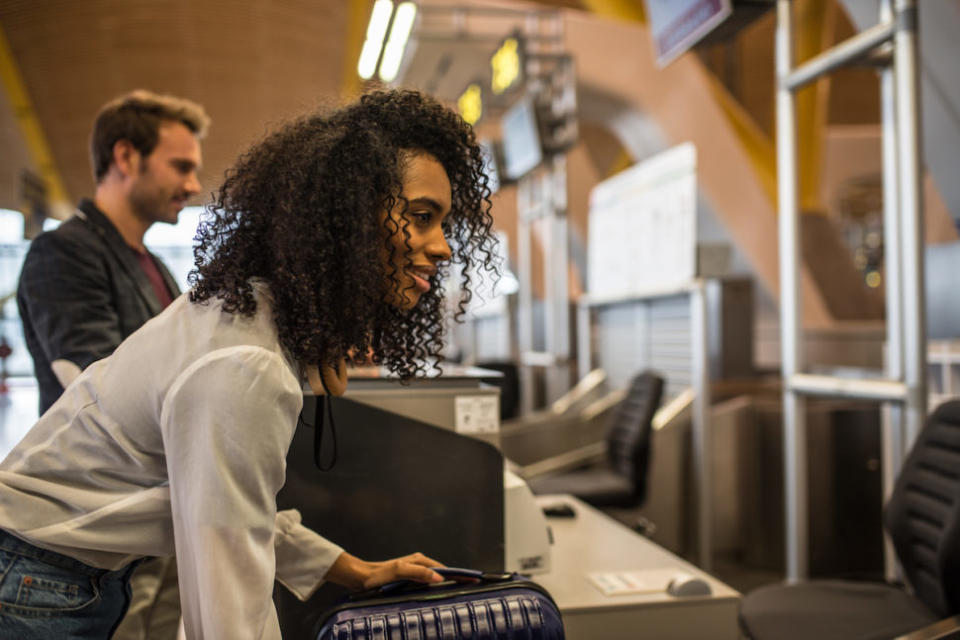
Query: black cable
[(318, 422)]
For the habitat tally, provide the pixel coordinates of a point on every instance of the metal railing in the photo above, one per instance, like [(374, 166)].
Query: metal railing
[(904, 385)]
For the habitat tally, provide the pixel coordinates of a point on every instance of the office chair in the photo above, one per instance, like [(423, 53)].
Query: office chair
[(923, 519), (508, 383), (622, 480)]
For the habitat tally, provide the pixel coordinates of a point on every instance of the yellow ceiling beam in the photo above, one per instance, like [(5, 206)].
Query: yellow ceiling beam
[(815, 26), (628, 10), (758, 145), (357, 14), (33, 134), (760, 149)]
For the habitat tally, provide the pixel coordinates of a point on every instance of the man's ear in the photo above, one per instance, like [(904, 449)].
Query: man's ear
[(126, 158)]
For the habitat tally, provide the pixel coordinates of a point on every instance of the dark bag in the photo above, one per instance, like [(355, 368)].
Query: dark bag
[(474, 605)]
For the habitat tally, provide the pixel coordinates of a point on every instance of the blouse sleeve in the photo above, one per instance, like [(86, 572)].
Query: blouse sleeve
[(303, 556), (227, 422)]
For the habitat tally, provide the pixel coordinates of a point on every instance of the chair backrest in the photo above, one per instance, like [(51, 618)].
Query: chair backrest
[(628, 440), (923, 513), (509, 385)]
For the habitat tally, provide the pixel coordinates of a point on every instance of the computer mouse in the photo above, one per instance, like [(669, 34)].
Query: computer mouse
[(561, 510), (684, 584)]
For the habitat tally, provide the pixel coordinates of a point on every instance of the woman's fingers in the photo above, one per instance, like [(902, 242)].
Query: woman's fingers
[(422, 560), (402, 569)]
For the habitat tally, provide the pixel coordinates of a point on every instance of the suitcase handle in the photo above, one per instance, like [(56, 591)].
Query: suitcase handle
[(452, 574)]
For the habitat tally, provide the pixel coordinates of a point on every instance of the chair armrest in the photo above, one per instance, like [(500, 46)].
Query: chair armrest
[(948, 628), (581, 390), (564, 461)]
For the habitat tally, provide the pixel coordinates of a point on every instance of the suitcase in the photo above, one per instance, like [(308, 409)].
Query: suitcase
[(470, 604)]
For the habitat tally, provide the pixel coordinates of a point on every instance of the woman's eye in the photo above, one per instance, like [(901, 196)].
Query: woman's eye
[(422, 218)]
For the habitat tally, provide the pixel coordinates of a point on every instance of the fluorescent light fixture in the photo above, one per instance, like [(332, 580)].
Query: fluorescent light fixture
[(11, 226), (376, 30), (399, 34)]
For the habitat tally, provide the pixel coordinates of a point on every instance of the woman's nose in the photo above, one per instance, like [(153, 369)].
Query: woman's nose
[(439, 249)]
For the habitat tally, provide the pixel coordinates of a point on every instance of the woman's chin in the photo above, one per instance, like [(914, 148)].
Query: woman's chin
[(405, 300)]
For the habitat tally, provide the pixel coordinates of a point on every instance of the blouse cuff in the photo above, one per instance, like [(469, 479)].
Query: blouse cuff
[(303, 556)]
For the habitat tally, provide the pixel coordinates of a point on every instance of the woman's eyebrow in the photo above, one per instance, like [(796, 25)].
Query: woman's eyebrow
[(428, 202)]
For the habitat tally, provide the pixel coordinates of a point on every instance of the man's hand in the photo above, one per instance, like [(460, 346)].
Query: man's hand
[(356, 574)]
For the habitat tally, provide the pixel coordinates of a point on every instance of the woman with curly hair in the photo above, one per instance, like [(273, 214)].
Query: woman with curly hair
[(328, 240)]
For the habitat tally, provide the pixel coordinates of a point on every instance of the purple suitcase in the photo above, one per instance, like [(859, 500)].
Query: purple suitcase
[(503, 606)]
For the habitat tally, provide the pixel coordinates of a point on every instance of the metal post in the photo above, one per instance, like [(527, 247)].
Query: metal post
[(524, 293), (584, 350), (893, 422), (911, 216), (557, 301), (702, 447), (794, 419)]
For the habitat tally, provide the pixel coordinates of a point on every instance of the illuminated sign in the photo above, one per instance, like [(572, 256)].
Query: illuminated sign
[(505, 66), (470, 104)]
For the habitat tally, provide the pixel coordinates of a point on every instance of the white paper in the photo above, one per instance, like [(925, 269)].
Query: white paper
[(615, 583)]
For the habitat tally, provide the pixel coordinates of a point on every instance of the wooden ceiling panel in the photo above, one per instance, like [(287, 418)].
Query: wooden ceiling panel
[(251, 64)]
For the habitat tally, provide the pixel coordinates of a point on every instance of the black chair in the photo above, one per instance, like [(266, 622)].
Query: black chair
[(622, 480), (923, 519), (508, 383)]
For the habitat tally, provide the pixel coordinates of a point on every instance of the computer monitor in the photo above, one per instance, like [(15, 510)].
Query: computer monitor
[(491, 164), (521, 140)]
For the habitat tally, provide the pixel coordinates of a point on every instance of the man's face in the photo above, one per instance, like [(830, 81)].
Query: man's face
[(167, 178), (413, 265)]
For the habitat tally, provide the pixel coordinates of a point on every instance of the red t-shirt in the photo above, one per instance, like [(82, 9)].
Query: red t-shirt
[(156, 280)]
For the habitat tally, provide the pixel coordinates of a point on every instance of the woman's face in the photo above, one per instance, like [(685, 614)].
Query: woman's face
[(413, 264)]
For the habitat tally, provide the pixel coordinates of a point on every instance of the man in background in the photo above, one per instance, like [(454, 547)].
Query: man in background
[(91, 282)]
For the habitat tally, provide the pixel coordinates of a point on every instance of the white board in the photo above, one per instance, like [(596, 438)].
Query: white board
[(642, 227)]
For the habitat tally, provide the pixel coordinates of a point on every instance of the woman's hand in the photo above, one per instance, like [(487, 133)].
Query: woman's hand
[(356, 574)]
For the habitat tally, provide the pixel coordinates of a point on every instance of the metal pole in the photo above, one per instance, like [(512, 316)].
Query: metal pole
[(524, 293), (794, 420), (833, 387), (893, 422), (840, 55), (584, 352), (702, 448), (557, 304), (911, 216)]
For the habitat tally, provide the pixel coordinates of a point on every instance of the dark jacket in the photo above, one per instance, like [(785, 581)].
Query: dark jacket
[(81, 292)]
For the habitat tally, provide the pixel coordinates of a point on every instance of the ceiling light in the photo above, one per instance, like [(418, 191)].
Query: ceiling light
[(399, 34), (376, 30)]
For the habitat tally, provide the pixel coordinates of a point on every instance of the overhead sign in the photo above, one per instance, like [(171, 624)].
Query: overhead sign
[(470, 104), (505, 66), (676, 25)]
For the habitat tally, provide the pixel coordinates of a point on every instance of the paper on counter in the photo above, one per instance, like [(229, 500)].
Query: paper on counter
[(616, 583)]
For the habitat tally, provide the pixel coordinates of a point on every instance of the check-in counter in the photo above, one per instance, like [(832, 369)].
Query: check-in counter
[(591, 546), (588, 544), (458, 400)]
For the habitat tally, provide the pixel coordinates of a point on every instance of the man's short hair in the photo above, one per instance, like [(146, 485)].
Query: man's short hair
[(137, 117)]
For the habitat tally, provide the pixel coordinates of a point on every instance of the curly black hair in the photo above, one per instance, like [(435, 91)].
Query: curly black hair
[(302, 210)]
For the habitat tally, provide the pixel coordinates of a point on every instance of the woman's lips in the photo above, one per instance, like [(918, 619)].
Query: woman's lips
[(422, 284)]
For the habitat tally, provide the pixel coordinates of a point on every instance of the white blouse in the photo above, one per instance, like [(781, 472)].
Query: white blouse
[(176, 444)]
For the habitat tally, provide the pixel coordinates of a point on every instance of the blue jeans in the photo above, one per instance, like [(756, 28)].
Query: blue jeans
[(47, 595)]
